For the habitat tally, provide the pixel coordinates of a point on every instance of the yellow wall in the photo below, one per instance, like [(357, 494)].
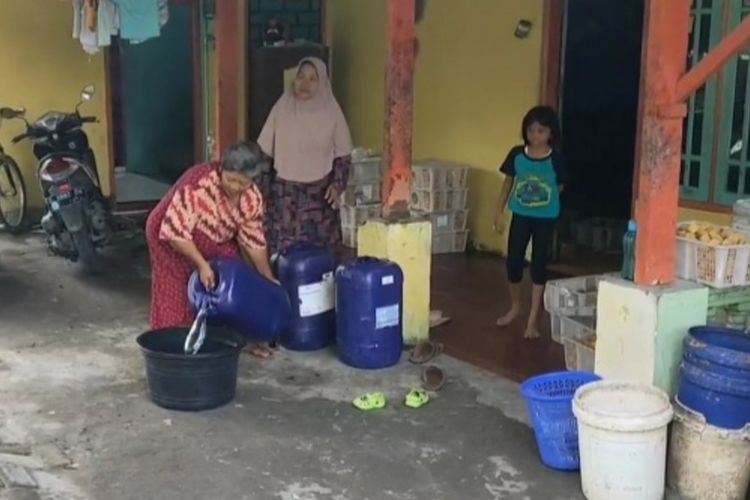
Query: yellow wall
[(474, 82), (721, 219), (42, 68)]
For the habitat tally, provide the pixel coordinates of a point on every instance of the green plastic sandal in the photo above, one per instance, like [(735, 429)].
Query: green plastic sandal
[(371, 401), (416, 398)]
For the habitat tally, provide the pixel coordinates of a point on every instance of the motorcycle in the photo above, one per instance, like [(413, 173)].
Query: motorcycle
[(76, 214)]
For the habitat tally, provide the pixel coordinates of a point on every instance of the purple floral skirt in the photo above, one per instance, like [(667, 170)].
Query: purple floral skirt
[(298, 212)]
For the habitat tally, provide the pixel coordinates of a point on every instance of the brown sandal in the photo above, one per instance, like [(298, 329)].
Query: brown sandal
[(433, 378), (425, 351)]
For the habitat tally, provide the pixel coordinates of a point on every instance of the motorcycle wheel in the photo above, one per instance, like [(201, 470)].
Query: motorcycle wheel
[(86, 251), (12, 197)]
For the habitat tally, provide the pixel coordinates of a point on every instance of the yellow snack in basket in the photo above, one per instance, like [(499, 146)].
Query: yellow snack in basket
[(711, 234)]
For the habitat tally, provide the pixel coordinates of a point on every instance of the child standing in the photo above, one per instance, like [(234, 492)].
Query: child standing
[(534, 178)]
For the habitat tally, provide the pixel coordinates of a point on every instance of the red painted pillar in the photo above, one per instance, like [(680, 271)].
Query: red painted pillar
[(399, 90), (659, 139)]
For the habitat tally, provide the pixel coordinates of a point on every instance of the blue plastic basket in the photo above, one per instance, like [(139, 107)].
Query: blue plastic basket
[(550, 401)]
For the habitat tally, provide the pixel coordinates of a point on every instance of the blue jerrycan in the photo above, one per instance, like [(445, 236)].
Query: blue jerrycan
[(307, 274), (243, 300)]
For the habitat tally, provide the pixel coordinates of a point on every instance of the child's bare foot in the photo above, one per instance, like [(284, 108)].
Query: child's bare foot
[(508, 317), (532, 332)]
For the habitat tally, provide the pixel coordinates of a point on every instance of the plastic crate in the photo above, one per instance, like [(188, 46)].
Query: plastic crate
[(438, 201), (366, 171), (741, 223), (436, 175), (445, 222), (580, 355), (356, 215), (450, 242), (573, 296), (729, 307), (713, 265), (361, 194), (742, 208), (599, 234), (555, 327), (349, 236), (576, 327)]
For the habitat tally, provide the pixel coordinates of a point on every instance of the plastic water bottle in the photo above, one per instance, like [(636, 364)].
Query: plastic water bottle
[(628, 251)]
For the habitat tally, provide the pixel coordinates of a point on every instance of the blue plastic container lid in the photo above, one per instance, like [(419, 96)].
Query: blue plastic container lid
[(724, 346)]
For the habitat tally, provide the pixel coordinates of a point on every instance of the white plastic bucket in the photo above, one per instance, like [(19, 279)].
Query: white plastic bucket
[(707, 462), (622, 435)]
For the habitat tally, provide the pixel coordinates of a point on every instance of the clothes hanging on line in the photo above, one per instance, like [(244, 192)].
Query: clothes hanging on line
[(95, 22), (163, 9)]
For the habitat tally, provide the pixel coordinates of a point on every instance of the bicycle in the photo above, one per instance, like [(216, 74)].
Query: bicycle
[(12, 188)]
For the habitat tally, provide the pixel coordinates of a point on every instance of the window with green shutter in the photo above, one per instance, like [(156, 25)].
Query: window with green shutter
[(697, 142), (733, 163)]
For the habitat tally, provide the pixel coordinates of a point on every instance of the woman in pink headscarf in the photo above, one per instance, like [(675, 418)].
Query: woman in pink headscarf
[(307, 136)]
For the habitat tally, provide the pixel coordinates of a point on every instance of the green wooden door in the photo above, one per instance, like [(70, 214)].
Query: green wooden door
[(733, 168), (697, 142)]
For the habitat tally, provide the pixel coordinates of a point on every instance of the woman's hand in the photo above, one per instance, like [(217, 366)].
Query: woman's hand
[(332, 196), (207, 276), (499, 225), (259, 258), (270, 277)]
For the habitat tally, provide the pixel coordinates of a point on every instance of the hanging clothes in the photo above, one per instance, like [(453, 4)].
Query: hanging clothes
[(81, 29), (139, 19), (163, 13), (163, 18), (108, 23), (95, 22), (90, 14)]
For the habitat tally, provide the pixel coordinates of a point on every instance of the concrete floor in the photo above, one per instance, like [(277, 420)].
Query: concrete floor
[(71, 375)]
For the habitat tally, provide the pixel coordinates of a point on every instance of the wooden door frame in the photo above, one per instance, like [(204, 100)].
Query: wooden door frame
[(550, 87), (197, 104)]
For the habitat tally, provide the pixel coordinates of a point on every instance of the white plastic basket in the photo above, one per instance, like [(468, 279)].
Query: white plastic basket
[(352, 216), (717, 266), (450, 242), (349, 236), (579, 355), (365, 170), (435, 175), (436, 201), (445, 222), (361, 194), (742, 208)]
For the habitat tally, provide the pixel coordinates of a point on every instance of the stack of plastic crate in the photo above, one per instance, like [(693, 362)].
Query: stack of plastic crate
[(571, 304), (729, 307), (361, 201), (439, 193)]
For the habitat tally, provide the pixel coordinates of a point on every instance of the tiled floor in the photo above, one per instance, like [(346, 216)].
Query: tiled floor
[(472, 291)]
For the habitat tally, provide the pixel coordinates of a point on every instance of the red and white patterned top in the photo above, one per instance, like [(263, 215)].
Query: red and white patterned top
[(204, 206)]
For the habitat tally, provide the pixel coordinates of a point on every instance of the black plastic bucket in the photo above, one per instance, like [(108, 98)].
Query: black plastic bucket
[(188, 382)]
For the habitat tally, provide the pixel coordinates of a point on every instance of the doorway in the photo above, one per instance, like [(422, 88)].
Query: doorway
[(300, 35), (599, 108), (156, 107)]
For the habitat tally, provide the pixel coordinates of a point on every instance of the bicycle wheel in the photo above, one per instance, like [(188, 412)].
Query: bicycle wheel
[(12, 196)]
